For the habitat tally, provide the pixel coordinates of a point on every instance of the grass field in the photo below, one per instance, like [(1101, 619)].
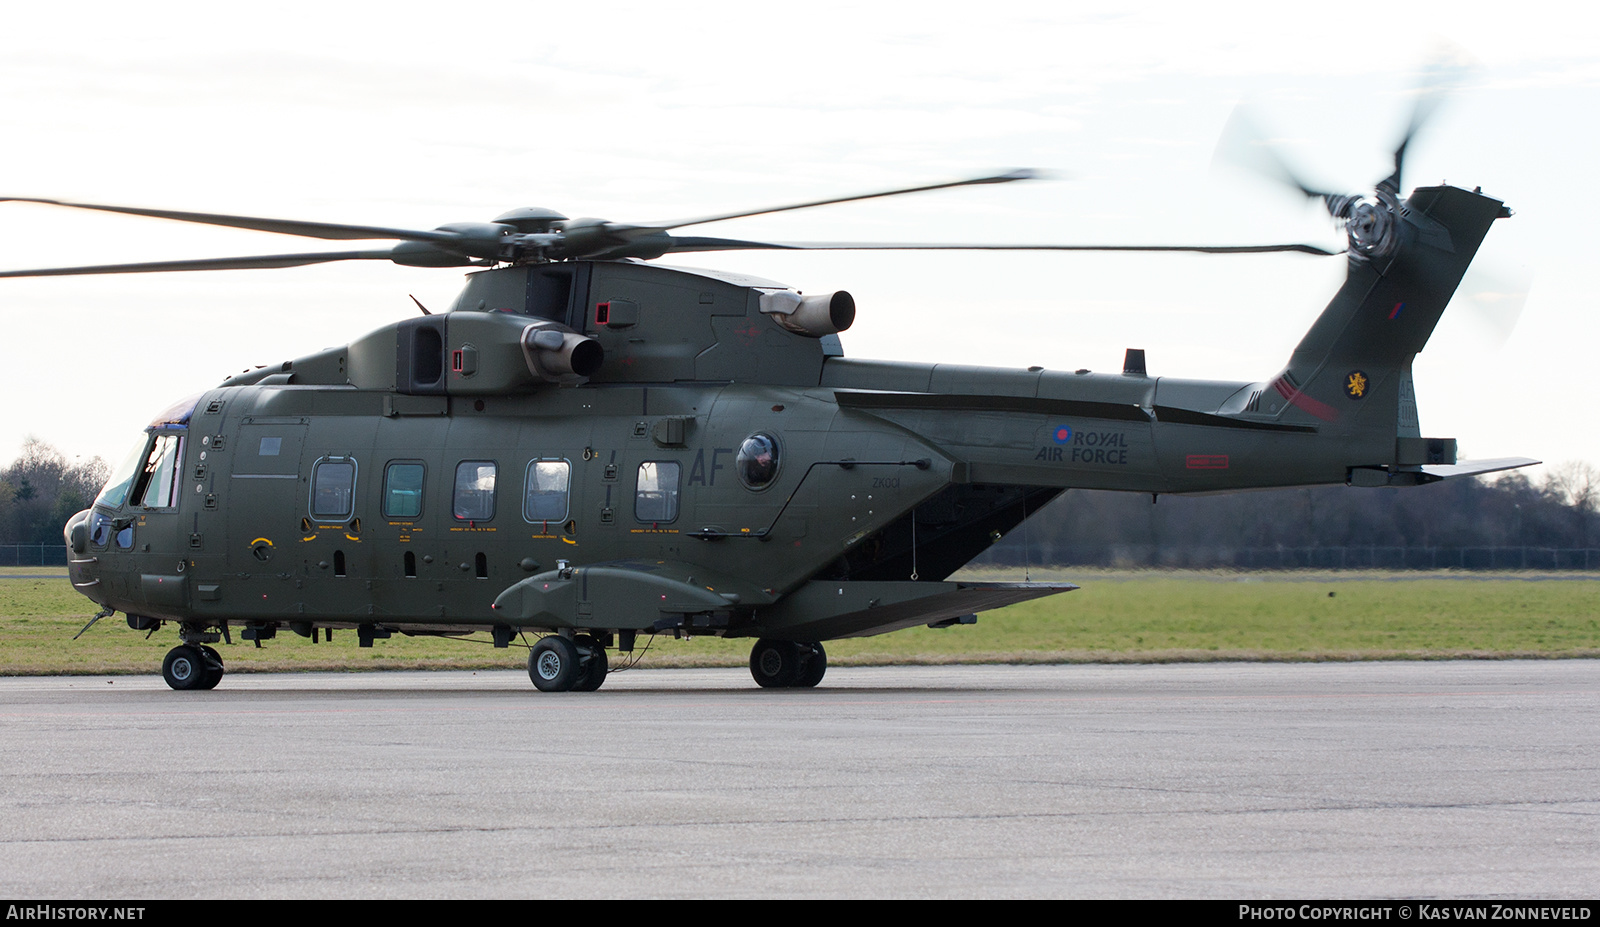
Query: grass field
[(1116, 617)]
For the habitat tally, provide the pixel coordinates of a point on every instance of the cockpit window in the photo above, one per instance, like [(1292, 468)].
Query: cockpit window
[(157, 484), (116, 488), (151, 470), (178, 414)]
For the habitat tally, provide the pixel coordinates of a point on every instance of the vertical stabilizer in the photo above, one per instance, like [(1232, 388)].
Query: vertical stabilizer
[(1351, 373)]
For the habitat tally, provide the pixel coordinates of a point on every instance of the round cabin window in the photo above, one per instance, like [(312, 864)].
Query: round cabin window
[(757, 462)]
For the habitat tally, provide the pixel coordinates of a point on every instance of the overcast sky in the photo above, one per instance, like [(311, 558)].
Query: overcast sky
[(415, 115)]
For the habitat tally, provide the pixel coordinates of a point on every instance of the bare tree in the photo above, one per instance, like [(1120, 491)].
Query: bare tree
[(1576, 484)]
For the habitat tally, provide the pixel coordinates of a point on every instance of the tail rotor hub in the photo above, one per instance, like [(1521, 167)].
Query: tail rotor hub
[(1371, 228)]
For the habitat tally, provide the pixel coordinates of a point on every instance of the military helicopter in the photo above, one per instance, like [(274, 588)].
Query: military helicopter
[(588, 446)]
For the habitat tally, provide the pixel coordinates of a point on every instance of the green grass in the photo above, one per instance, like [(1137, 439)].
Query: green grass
[(1115, 617)]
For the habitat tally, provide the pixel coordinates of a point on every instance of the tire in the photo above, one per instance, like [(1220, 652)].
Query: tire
[(775, 664), (595, 669), (185, 669), (214, 669), (553, 664), (813, 664)]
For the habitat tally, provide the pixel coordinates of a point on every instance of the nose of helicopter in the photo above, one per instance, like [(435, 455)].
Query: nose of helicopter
[(82, 567)]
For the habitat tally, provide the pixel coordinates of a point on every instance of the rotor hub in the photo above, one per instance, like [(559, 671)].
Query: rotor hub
[(532, 219), (1371, 228)]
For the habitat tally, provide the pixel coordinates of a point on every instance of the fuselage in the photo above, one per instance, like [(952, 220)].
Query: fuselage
[(723, 467)]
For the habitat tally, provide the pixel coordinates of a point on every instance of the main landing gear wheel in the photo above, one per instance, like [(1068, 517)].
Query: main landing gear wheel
[(787, 664), (595, 665), (813, 663), (214, 668), (553, 664), (185, 669)]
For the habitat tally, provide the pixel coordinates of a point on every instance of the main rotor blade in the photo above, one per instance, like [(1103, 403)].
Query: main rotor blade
[(1244, 146), (325, 230), (689, 243), (238, 263), (1008, 177)]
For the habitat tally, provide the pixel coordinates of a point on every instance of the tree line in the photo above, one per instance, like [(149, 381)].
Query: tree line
[(1557, 510), (41, 489)]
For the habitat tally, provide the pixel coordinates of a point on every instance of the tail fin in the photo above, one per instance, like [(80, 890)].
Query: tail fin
[(1351, 373)]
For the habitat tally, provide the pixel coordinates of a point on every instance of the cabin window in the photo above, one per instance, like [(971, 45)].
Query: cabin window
[(157, 484), (656, 494), (333, 489), (546, 496), (474, 496), (402, 490), (757, 462)]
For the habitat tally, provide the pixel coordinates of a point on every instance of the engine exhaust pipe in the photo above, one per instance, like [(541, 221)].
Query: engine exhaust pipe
[(812, 316), (557, 354)]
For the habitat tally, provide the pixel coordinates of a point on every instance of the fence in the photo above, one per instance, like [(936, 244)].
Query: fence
[(33, 555), (1318, 558)]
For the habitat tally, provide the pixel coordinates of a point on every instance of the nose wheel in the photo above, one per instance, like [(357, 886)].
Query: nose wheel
[(787, 664)]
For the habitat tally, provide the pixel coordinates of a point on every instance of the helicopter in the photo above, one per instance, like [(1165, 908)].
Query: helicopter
[(588, 446)]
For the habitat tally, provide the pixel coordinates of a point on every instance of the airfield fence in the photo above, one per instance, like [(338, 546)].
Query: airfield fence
[(33, 555), (1149, 556)]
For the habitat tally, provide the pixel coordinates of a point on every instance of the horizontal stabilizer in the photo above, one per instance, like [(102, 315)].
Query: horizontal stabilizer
[(1476, 467), (1433, 473)]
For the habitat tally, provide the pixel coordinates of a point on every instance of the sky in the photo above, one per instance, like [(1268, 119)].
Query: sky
[(415, 115)]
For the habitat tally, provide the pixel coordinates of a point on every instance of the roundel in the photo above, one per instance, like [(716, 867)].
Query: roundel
[(1355, 384), (1062, 434)]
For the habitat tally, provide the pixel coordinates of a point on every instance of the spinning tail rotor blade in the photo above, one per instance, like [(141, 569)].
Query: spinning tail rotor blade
[(1442, 75), (1495, 299), (1245, 146)]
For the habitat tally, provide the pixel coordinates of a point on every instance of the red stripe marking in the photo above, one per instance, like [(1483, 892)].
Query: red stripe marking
[(1305, 403)]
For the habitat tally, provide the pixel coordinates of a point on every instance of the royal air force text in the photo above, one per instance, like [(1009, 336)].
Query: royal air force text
[(1091, 447)]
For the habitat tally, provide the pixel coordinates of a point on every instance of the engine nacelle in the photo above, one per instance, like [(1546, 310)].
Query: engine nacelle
[(812, 316), (557, 354)]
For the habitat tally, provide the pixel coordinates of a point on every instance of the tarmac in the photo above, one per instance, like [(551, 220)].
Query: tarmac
[(1464, 780)]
